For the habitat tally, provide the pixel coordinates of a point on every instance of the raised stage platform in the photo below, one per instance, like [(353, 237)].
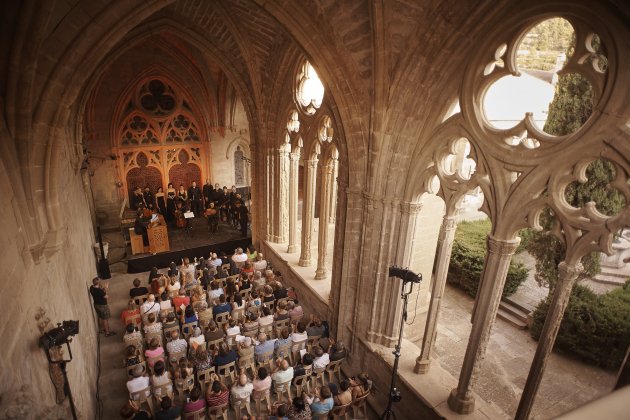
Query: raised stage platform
[(197, 242)]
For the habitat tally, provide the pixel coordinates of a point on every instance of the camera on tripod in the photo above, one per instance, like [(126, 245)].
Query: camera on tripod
[(395, 395), (60, 335)]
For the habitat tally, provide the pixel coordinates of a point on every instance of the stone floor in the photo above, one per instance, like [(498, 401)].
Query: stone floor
[(566, 384)]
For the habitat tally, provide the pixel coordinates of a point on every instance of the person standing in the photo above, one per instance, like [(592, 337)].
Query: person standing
[(149, 198), (99, 296), (243, 217), (194, 195), (208, 192)]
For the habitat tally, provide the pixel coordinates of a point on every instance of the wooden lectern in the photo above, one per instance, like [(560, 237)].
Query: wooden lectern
[(158, 236)]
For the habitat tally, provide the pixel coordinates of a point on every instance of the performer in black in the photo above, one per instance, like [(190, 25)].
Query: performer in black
[(161, 202), (194, 195), (243, 216), (208, 192), (140, 228), (137, 200), (149, 199), (171, 193)]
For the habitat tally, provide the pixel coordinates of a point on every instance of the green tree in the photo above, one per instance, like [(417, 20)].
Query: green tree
[(569, 110)]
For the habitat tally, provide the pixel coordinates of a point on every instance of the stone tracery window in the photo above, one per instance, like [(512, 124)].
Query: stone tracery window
[(239, 166), (309, 89), (159, 125)]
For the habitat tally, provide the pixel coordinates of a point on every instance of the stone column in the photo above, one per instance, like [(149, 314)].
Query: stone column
[(308, 211), (567, 275), (447, 234), (269, 198), (283, 194), (496, 264), (294, 159), (324, 207), (332, 212)]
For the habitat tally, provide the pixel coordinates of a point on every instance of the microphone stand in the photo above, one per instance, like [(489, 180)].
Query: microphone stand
[(394, 394)]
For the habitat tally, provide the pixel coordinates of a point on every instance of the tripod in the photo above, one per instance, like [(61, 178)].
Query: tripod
[(394, 394)]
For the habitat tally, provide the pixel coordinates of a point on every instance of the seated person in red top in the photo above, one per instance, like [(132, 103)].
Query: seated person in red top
[(196, 402), (248, 268), (136, 290), (132, 309), (222, 306), (217, 394), (181, 299)]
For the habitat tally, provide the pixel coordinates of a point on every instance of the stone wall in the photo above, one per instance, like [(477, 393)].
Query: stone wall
[(56, 287)]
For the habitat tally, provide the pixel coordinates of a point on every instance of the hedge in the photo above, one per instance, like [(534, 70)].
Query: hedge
[(595, 328), (469, 249)]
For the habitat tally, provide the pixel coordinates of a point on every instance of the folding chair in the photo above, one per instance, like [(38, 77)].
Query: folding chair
[(334, 369), (227, 371)]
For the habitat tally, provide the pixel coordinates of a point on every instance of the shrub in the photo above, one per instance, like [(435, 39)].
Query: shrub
[(594, 327), (469, 249)]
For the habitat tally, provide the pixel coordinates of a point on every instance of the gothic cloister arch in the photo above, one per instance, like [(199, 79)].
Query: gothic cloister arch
[(390, 72)]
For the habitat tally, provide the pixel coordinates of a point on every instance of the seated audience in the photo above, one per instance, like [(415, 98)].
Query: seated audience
[(132, 336), (133, 356), (215, 291), (251, 323), (137, 290), (260, 264), (173, 285), (131, 411), (168, 411), (295, 310), (299, 410), (224, 356), (171, 321), (283, 372), (217, 394), (344, 395), (214, 332), (152, 326), (202, 359), (320, 358), (254, 301), (361, 385), (149, 307), (242, 389), (248, 268), (161, 377), (154, 351), (258, 281), (245, 348), (177, 344), (263, 346), (281, 311), (279, 291), (197, 338), (315, 328), (239, 257), (251, 253), (139, 382), (165, 302), (131, 311), (262, 382), (266, 318), (299, 332), (323, 402), (181, 300), (223, 306), (337, 351), (305, 365), (268, 294), (196, 402), (189, 316), (215, 261)]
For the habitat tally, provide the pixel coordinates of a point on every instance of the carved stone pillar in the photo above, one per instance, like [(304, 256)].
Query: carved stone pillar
[(283, 194), (270, 199), (332, 211), (447, 234), (294, 159), (322, 243), (567, 275), (308, 211), (496, 264)]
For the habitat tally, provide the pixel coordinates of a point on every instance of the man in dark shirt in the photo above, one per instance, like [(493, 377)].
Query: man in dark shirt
[(208, 192), (243, 218), (140, 228), (137, 200), (136, 290), (99, 295), (149, 198), (194, 195), (223, 306), (168, 411)]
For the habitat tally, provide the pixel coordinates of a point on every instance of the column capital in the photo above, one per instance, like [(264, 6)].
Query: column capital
[(294, 156), (504, 247), (410, 208), (311, 163)]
